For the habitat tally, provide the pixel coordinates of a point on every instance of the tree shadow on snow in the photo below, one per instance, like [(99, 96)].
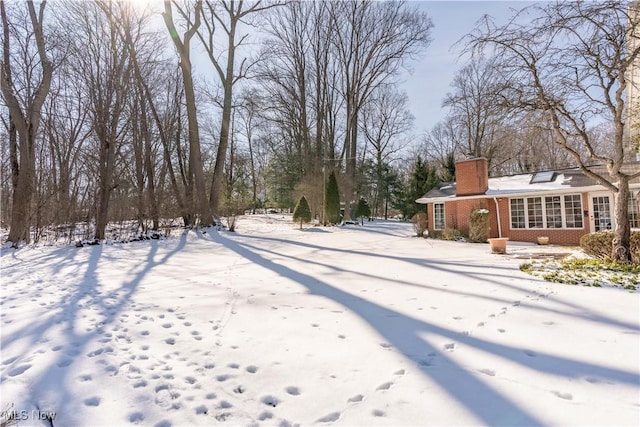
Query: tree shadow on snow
[(68, 314), (404, 333), (454, 267)]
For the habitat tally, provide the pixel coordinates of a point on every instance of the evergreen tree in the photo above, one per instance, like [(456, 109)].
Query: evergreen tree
[(421, 179), (363, 210), (332, 201), (302, 212)]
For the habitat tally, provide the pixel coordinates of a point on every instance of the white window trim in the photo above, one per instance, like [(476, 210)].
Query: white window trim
[(444, 217), (544, 212), (634, 193)]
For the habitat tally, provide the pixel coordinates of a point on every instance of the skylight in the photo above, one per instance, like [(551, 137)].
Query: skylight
[(539, 177)]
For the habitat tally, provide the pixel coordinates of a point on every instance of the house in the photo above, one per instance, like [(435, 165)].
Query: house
[(562, 204)]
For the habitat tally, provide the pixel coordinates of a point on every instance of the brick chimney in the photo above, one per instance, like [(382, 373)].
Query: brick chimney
[(472, 177)]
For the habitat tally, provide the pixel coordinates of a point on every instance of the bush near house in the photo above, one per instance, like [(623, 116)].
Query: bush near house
[(419, 221), (599, 245), (450, 234), (479, 226)]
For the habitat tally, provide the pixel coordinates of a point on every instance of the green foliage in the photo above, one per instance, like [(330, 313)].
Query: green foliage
[(448, 173), (586, 272), (302, 212), (282, 175), (600, 245), (332, 200), (419, 221), (421, 179), (479, 226), (363, 209)]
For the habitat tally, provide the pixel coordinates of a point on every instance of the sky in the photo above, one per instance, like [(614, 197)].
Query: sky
[(433, 72)]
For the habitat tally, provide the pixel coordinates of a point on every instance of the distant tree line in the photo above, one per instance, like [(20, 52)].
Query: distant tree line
[(202, 108)]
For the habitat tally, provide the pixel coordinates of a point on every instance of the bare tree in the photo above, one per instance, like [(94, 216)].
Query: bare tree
[(227, 15), (573, 63), (475, 107), (372, 41), (192, 19), (25, 95)]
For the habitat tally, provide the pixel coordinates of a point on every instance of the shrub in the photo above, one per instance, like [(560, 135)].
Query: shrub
[(363, 210), (332, 200), (419, 221), (600, 244), (302, 212), (479, 226), (451, 234)]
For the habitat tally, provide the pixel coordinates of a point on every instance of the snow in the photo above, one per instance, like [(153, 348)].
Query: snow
[(327, 326)]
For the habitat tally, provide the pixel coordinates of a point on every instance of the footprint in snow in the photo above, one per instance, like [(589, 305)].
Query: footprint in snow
[(266, 415), (239, 390), (489, 372), (233, 365), (400, 372), (64, 363), (222, 378), (450, 346), (170, 341), (385, 386), (530, 353), (385, 345), (355, 399), (293, 391), (270, 401), (85, 378), (136, 417), (167, 325), (334, 416), (252, 369), (18, 370), (225, 405), (190, 380), (377, 413), (92, 401), (561, 395), (95, 352), (502, 331), (9, 360)]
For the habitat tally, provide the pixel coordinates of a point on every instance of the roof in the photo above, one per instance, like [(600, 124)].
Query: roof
[(560, 181)]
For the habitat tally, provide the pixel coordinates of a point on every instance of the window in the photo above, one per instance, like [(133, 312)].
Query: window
[(634, 209), (438, 216), (517, 213), (534, 209), (542, 177), (573, 211), (547, 212), (602, 213), (553, 211)]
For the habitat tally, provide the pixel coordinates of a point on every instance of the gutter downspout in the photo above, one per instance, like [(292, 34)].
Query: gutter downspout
[(495, 200)]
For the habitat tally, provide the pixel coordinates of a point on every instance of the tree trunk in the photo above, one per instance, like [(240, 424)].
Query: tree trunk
[(195, 156), (622, 234), (26, 122)]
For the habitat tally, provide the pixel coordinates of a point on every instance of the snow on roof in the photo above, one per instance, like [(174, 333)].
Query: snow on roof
[(562, 181)]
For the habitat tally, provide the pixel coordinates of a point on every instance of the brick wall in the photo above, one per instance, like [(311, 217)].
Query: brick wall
[(472, 177), (557, 236), (457, 215)]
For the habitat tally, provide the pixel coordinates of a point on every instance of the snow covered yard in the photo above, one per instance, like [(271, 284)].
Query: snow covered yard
[(328, 326)]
